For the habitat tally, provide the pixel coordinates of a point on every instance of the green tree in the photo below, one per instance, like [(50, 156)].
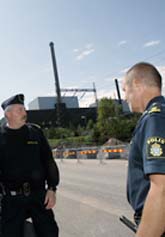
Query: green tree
[(112, 123)]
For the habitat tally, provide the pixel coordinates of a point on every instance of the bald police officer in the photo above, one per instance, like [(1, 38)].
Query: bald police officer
[(27, 167), (146, 171)]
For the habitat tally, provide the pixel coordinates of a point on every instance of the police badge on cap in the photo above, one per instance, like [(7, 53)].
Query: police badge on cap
[(16, 99)]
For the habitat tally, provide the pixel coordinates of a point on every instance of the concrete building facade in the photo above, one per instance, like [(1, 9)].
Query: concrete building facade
[(49, 102)]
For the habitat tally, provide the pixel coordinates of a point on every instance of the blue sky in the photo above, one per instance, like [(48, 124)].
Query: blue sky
[(95, 41)]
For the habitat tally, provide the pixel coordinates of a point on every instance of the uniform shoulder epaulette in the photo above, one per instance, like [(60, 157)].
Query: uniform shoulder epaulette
[(155, 108), (34, 125)]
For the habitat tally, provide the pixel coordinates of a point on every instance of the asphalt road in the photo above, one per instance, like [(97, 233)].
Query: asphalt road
[(91, 198)]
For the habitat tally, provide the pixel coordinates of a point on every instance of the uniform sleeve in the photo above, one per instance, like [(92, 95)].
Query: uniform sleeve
[(52, 172), (154, 145)]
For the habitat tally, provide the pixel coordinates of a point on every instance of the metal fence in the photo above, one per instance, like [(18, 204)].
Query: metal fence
[(96, 152)]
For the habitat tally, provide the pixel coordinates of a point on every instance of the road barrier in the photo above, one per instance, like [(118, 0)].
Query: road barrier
[(97, 152)]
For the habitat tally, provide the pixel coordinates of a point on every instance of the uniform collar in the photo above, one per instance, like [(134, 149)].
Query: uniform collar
[(156, 99)]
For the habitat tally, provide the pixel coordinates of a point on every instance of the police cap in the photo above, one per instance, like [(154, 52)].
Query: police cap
[(16, 99)]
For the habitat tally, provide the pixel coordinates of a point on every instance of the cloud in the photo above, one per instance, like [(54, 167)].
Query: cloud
[(109, 93), (75, 50), (123, 42), (151, 43), (89, 98), (82, 53)]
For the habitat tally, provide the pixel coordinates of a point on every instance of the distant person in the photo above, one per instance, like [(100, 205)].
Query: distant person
[(26, 165), (146, 170)]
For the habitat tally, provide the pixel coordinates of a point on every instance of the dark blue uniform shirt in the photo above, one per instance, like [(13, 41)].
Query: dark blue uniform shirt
[(147, 152), (25, 156)]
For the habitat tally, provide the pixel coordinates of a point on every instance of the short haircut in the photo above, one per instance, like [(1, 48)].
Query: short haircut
[(145, 72)]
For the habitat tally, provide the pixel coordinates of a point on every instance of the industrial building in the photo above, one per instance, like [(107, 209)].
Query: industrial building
[(49, 102), (63, 111), (68, 117), (46, 112)]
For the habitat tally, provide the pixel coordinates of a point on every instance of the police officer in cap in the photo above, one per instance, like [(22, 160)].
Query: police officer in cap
[(29, 174), (146, 170)]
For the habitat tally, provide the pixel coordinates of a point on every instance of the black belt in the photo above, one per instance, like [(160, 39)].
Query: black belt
[(24, 189)]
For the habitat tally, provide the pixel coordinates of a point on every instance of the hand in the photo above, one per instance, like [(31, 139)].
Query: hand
[(50, 199)]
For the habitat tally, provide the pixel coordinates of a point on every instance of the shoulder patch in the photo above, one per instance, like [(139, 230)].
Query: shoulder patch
[(155, 148)]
